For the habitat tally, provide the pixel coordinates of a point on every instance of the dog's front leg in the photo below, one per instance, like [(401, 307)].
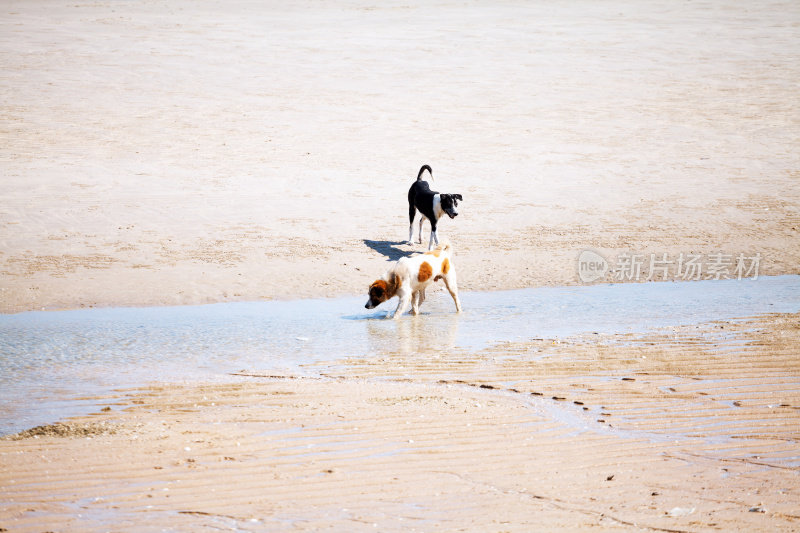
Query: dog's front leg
[(416, 300), (405, 300), (434, 238)]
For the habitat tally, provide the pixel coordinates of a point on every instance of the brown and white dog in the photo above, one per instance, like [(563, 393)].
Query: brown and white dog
[(409, 278)]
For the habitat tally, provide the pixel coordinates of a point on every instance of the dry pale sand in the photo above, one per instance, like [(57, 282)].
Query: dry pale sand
[(181, 152), (689, 429), (190, 152)]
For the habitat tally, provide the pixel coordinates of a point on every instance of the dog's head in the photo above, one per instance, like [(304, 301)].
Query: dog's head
[(450, 204), (382, 290), (377, 294)]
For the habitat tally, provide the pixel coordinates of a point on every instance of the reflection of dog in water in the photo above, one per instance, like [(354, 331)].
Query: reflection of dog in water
[(426, 339), (409, 278)]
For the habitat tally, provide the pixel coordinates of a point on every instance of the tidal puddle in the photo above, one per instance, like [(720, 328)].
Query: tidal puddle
[(49, 360)]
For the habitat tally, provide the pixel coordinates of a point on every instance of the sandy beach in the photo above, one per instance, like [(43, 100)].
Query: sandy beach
[(442, 443), (177, 153)]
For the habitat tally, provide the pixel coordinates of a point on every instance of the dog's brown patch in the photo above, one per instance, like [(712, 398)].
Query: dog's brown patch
[(425, 272), (445, 266), (435, 252), (394, 284)]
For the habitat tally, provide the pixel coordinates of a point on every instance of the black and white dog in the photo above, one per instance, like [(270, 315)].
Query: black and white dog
[(431, 205)]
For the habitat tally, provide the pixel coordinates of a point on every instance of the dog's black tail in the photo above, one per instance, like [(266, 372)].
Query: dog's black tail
[(422, 170)]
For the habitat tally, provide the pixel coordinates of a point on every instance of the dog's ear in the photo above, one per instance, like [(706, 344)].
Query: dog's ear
[(374, 289), (458, 197)]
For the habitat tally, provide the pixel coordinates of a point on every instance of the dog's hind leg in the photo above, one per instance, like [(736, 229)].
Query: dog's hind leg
[(452, 286), (421, 221), (412, 212)]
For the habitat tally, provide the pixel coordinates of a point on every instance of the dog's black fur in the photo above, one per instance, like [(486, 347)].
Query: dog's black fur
[(431, 204)]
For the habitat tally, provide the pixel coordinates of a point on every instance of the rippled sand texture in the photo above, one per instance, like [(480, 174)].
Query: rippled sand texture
[(189, 152), (690, 430)]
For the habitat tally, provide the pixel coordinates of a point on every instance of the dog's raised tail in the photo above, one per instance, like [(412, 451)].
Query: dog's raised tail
[(422, 171)]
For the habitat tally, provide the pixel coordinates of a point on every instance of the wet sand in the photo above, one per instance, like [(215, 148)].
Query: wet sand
[(690, 429), (184, 153)]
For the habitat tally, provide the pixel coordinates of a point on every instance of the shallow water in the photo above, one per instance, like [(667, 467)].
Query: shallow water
[(49, 360)]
